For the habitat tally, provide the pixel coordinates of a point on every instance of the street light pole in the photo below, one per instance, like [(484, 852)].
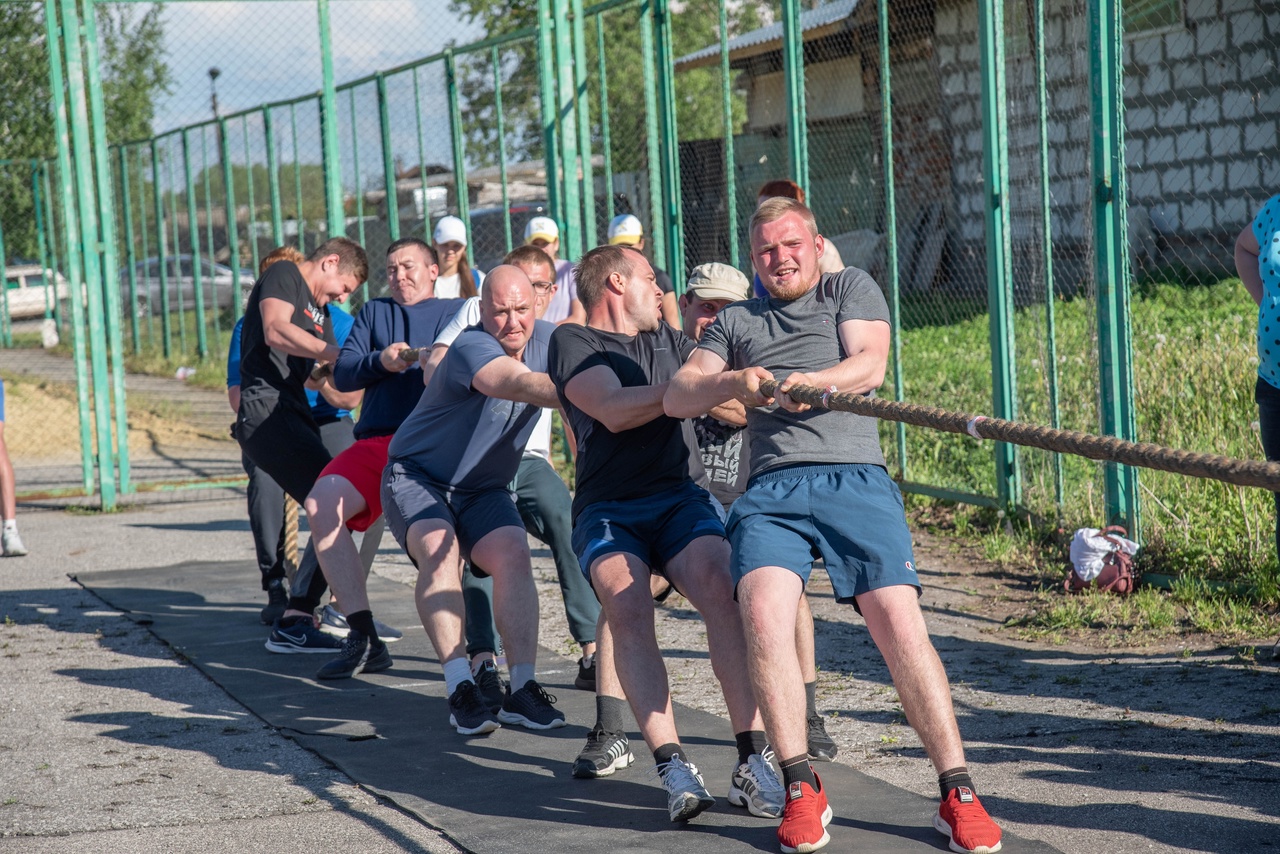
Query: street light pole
[(213, 89)]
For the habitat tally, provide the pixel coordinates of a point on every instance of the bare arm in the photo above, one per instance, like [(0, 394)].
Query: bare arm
[(1247, 263), (570, 439), (430, 360), (509, 379), (340, 399), (703, 385), (233, 397), (281, 334), (732, 412), (867, 344), (597, 392)]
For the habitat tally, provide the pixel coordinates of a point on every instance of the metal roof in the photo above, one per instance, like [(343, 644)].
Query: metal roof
[(769, 38)]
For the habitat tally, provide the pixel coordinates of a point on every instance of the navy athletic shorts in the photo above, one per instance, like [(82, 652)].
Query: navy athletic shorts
[(409, 496)]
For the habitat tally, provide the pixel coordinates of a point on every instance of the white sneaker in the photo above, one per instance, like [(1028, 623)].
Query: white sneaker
[(755, 785), (334, 622), (12, 544), (686, 794)]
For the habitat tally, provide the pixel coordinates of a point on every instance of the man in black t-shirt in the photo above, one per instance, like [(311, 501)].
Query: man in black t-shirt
[(286, 330), (638, 510)]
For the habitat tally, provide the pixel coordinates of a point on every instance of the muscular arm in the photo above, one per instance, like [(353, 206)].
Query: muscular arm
[(281, 334), (430, 360), (1247, 263), (703, 385), (597, 392), (347, 400), (867, 344), (509, 379)]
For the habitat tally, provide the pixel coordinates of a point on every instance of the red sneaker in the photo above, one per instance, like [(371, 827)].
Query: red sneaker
[(805, 817), (962, 818)]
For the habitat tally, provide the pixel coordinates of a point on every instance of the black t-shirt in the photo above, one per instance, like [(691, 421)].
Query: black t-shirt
[(644, 460), (726, 456), (268, 375)]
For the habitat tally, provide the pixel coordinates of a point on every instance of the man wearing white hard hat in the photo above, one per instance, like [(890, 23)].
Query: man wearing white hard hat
[(456, 278), (626, 230), (565, 307)]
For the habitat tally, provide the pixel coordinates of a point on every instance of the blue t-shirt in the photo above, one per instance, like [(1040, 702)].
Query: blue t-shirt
[(461, 438), (321, 409), (1266, 228)]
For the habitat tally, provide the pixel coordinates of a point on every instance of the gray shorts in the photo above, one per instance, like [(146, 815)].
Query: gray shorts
[(409, 496)]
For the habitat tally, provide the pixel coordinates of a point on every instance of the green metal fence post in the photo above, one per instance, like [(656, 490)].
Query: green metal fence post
[(355, 157), (252, 225), (388, 161), (273, 178), (55, 261), (606, 140), (193, 234), (583, 111), (1115, 346), (334, 211), (730, 160), (130, 255), (177, 256), (547, 107), (71, 233), (995, 165), (502, 146), (208, 240), (571, 232), (673, 217), (142, 231), (1046, 237), (653, 151), (422, 155), (91, 246), (298, 218), (162, 261), (42, 243), (233, 221), (793, 77), (891, 226), (462, 193)]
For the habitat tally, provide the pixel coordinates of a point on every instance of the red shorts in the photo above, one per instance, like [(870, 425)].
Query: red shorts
[(362, 465)]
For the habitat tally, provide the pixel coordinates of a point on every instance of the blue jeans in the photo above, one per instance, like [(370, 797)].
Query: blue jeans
[(1268, 398)]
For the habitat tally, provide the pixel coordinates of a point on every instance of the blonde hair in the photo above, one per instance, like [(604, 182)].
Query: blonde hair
[(774, 209)]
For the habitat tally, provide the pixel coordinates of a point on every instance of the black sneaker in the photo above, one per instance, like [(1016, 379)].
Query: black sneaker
[(356, 651), (492, 691), (467, 712), (605, 753), (301, 636), (822, 747), (277, 602), (586, 679), (531, 707)]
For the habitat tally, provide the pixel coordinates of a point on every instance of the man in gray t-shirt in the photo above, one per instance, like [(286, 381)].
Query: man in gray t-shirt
[(819, 488)]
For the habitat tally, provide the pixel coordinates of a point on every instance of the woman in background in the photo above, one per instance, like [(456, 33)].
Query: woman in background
[(456, 278)]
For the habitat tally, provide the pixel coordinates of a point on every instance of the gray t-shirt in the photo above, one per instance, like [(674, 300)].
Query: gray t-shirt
[(800, 335), (461, 438)]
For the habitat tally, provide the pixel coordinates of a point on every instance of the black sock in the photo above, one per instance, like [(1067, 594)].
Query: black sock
[(810, 699), (611, 714), (954, 779), (664, 753), (749, 742), (798, 770), (294, 620), (362, 622)]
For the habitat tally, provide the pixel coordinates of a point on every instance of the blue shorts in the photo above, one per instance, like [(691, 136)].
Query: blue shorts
[(851, 516), (655, 528), (409, 496)]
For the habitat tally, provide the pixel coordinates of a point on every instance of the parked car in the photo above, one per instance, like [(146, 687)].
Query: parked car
[(488, 240), (217, 282), (26, 286)]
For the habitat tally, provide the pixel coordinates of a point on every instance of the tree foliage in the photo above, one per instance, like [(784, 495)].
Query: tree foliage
[(134, 74)]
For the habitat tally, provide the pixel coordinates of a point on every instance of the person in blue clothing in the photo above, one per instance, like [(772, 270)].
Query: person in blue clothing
[(346, 496), (265, 497)]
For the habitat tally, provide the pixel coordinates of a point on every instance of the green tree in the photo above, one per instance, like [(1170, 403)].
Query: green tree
[(134, 75)]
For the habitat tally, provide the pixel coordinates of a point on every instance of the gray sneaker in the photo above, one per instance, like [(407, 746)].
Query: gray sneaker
[(12, 544), (686, 794), (755, 785), (334, 622)]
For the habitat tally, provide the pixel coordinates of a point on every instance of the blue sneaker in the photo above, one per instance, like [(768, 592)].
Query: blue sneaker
[(301, 636)]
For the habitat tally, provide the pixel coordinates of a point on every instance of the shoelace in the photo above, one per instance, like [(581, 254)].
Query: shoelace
[(677, 774), (762, 772), (469, 697), (539, 692)]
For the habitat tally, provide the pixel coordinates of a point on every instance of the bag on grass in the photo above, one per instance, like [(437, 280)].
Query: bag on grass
[(1101, 559)]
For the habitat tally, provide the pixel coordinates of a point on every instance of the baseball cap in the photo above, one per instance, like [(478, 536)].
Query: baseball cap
[(450, 229), (625, 230), (718, 281), (541, 228)]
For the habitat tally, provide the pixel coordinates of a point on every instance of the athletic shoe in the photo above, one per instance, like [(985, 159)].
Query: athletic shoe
[(686, 794), (531, 707), (586, 679), (755, 785), (961, 817), (821, 746), (492, 691), (356, 651), (334, 622), (804, 819), (301, 636), (277, 602), (12, 544), (605, 753), (467, 712)]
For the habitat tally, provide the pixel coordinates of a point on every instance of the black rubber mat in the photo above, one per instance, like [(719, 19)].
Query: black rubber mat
[(509, 791)]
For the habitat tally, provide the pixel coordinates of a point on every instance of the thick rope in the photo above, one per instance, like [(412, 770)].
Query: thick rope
[(323, 370), (1106, 448), (290, 538)]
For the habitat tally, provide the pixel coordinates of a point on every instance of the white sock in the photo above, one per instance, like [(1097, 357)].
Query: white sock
[(456, 671), (11, 526), (520, 675)]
